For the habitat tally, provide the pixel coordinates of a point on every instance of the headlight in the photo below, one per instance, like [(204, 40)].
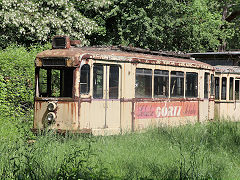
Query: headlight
[(51, 117), (51, 106)]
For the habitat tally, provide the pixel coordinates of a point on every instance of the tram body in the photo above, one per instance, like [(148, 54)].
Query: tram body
[(107, 91), (227, 87)]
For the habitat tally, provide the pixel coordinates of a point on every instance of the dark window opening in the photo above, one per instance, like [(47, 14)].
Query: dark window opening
[(85, 79), (113, 82), (55, 82), (143, 84), (237, 89), (43, 82), (231, 89), (224, 88), (177, 84), (191, 84), (206, 85), (212, 85), (98, 81), (216, 87), (161, 82)]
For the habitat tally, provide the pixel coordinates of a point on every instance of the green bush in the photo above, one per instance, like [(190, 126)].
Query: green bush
[(17, 79), (17, 89)]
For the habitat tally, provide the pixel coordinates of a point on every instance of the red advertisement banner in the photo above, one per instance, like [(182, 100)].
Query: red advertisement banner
[(151, 110)]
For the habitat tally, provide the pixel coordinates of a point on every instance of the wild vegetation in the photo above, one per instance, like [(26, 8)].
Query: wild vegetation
[(201, 151)]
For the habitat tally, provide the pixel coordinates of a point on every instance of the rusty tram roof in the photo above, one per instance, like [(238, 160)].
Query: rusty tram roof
[(127, 54), (233, 54), (227, 69)]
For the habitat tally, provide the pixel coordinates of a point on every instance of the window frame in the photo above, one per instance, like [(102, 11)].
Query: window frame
[(182, 81), (217, 80), (102, 83), (225, 88), (164, 73), (206, 85), (195, 88), (88, 83), (231, 92), (118, 83), (212, 85), (238, 89), (49, 82), (147, 74)]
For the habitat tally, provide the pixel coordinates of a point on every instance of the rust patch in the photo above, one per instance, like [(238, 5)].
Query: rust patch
[(133, 117), (72, 109), (86, 56), (60, 100), (40, 104), (159, 99), (89, 100), (123, 56), (75, 42), (74, 83), (135, 61)]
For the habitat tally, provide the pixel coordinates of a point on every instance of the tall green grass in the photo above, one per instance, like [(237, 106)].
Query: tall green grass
[(200, 151)]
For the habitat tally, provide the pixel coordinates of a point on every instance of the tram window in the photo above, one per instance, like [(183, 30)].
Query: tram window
[(191, 84), (216, 87), (85, 79), (143, 84), (113, 82), (161, 81), (206, 85), (177, 84), (212, 85), (237, 89), (224, 86), (43, 82), (55, 82), (231, 89), (98, 81), (55, 79)]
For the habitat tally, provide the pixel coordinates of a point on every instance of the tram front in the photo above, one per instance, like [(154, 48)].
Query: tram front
[(56, 95)]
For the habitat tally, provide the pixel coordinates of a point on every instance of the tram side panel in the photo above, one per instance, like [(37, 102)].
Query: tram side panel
[(127, 95), (227, 110), (204, 101), (170, 112), (100, 111), (227, 103), (65, 114)]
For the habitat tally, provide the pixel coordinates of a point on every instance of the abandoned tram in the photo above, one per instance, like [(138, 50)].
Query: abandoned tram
[(112, 90)]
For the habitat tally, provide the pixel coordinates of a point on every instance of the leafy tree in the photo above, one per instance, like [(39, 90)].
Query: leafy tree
[(194, 25), (26, 22), (230, 13)]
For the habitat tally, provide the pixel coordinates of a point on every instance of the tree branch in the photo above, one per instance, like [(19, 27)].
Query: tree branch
[(233, 15)]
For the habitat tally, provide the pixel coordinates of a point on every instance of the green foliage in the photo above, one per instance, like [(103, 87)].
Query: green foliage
[(194, 25), (17, 79), (27, 22)]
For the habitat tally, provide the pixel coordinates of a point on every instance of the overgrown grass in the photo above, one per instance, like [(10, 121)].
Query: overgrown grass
[(200, 151)]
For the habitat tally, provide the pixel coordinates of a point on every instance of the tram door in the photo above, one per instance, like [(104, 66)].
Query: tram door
[(208, 103), (106, 96)]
